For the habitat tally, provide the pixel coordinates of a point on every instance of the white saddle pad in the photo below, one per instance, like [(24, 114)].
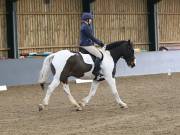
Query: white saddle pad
[(87, 59)]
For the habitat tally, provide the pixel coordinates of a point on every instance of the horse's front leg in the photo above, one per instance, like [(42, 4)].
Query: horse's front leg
[(71, 98), (92, 92), (112, 83)]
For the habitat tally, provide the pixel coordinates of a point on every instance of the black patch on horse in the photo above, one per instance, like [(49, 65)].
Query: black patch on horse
[(53, 69), (114, 70), (75, 66)]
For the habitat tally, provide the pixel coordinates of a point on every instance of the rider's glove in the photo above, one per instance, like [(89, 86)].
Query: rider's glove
[(101, 44)]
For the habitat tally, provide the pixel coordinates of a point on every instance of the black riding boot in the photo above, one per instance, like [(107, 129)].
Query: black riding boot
[(97, 68)]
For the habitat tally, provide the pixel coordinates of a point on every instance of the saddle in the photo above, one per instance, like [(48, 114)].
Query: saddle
[(83, 51), (100, 76)]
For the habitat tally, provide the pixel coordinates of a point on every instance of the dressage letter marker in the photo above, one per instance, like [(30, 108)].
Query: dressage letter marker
[(82, 81), (3, 88)]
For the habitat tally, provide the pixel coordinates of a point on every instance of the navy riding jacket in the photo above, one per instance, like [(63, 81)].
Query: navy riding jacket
[(86, 36)]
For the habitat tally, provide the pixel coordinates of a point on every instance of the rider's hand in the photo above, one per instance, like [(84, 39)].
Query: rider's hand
[(101, 44)]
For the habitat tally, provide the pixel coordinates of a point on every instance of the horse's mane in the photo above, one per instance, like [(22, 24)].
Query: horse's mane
[(115, 44)]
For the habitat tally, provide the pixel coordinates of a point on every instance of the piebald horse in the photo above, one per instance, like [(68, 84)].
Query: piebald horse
[(64, 64)]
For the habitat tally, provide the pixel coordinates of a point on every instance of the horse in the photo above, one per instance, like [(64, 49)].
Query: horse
[(64, 64)]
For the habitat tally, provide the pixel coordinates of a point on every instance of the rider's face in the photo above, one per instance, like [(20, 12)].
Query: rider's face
[(90, 21)]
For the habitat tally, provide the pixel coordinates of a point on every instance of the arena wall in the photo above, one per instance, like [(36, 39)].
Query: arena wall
[(26, 71), (169, 23), (122, 20), (49, 26), (151, 63)]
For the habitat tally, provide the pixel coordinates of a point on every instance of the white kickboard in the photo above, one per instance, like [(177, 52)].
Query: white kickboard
[(83, 81), (3, 88)]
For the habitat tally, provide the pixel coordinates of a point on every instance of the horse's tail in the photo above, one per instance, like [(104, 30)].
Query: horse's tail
[(44, 73)]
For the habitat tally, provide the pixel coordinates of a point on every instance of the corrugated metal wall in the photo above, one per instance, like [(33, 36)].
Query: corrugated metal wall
[(48, 27), (122, 19), (3, 43), (169, 23)]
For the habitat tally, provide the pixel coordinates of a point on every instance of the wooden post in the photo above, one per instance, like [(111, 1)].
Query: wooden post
[(86, 5), (11, 28), (152, 24)]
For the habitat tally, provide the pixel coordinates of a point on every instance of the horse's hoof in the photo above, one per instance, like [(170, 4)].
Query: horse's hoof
[(79, 109), (82, 104), (41, 107), (124, 106)]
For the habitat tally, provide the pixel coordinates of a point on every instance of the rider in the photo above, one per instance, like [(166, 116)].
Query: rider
[(87, 41)]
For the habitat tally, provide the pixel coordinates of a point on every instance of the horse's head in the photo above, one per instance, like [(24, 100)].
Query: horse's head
[(128, 54), (122, 49)]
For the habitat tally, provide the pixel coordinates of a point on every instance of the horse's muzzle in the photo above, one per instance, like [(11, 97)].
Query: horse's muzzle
[(133, 65)]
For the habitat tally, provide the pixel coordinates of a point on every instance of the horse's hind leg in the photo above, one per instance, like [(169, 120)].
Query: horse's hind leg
[(54, 84), (71, 98)]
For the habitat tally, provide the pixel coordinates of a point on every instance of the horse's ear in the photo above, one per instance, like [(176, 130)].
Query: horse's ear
[(130, 43)]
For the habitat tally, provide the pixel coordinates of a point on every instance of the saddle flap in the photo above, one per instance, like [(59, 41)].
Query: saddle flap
[(87, 58), (84, 53)]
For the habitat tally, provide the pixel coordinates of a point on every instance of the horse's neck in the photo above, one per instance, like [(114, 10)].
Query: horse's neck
[(115, 54)]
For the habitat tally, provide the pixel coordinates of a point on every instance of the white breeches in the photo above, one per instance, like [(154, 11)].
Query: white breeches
[(93, 50)]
